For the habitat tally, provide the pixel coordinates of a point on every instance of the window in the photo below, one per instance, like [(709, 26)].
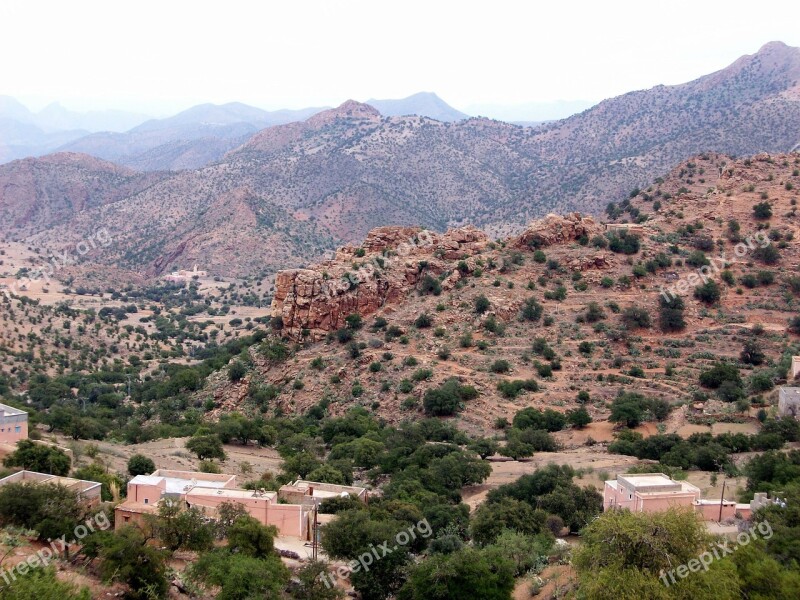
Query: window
[(17, 429), (147, 501)]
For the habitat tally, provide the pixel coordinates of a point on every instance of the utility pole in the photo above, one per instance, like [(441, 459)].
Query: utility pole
[(721, 499), (314, 542)]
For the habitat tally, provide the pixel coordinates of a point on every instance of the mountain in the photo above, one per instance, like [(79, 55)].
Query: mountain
[(24, 133), (593, 307), (306, 185), (191, 139), (424, 104), (55, 117), (37, 194)]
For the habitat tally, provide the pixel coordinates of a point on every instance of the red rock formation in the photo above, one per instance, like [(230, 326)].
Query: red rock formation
[(393, 261), (555, 229)]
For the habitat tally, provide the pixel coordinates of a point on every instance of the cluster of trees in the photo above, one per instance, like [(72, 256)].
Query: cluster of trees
[(703, 450)]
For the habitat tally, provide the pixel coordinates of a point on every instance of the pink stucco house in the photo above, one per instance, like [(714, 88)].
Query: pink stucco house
[(206, 492), (652, 492), (13, 424)]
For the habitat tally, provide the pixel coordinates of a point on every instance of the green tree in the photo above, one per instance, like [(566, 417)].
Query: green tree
[(249, 537), (42, 584), (38, 457), (139, 464), (671, 314), (182, 529), (467, 574), (128, 558), (482, 304), (492, 518), (623, 554), (236, 370), (240, 576), (206, 446), (579, 417)]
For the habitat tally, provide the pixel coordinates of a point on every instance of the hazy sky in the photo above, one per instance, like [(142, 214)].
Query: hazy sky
[(161, 56)]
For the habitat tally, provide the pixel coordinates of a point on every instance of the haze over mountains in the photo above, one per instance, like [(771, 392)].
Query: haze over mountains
[(260, 197)]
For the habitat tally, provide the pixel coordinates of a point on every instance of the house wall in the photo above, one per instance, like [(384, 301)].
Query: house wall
[(290, 519), (256, 507), (144, 493), (13, 428), (658, 503)]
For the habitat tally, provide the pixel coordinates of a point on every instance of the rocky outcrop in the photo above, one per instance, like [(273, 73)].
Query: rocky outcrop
[(556, 229), (390, 263)]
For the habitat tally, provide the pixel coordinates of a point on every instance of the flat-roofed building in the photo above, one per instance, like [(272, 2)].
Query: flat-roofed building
[(314, 492), (13, 424), (648, 492), (86, 491), (290, 510), (654, 492)]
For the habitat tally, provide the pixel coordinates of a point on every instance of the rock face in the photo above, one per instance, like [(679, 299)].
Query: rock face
[(556, 229), (387, 267)]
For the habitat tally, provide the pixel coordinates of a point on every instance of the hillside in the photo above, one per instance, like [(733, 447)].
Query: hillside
[(342, 172), (584, 292)]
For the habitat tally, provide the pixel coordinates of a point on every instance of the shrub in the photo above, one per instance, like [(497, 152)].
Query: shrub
[(512, 389), (423, 321), (448, 398), (762, 210), (635, 316), (531, 310), (708, 292), (430, 285), (671, 313), (481, 304), (623, 242), (500, 366)]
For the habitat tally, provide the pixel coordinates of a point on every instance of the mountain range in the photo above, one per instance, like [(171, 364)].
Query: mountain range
[(279, 196)]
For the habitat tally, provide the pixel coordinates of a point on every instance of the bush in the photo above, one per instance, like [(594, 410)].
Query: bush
[(721, 372), (623, 242), (482, 304), (634, 317), (448, 398), (531, 310), (500, 366), (430, 285), (762, 210), (236, 370), (709, 292), (768, 255), (38, 457), (671, 314), (423, 321), (512, 389)]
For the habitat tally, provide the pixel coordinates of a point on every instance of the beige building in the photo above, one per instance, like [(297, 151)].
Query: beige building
[(789, 402)]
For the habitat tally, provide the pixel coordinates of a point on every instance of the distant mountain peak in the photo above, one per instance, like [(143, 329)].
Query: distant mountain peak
[(425, 104), (350, 109)]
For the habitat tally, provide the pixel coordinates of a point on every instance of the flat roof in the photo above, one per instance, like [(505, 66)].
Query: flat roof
[(147, 480), (10, 411), (647, 479), (231, 493)]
